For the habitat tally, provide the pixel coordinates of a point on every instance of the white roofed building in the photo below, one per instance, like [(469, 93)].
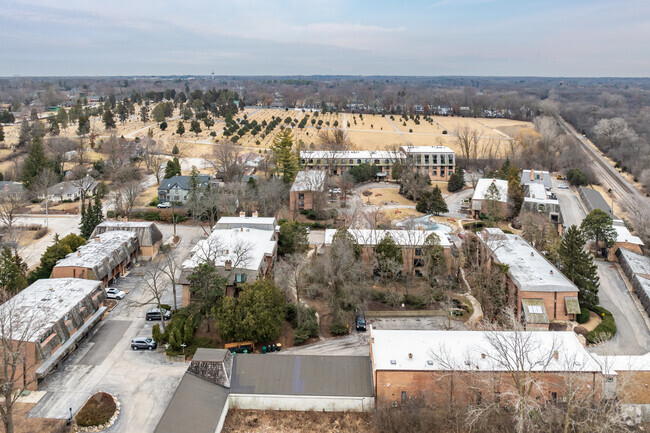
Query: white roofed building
[(489, 191), (538, 199)]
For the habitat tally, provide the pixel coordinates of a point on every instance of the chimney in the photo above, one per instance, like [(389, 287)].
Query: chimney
[(541, 175), (78, 253), (255, 214), (551, 271), (532, 254), (242, 229), (228, 265), (556, 355), (242, 214), (532, 175), (97, 239), (483, 355), (410, 356)]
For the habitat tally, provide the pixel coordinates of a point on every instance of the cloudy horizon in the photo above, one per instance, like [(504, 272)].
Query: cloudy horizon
[(255, 38)]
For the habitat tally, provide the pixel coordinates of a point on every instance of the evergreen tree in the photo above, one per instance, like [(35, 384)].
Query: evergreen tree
[(109, 120), (25, 134), (90, 217), (144, 113), (122, 112), (195, 127), (54, 126), (2, 133), (98, 211), (173, 168), (515, 196), (35, 162), (578, 266), (432, 202), (55, 252), (158, 113), (13, 272), (389, 257), (181, 129), (597, 226), (456, 180), (285, 159), (163, 125), (62, 117), (175, 150), (83, 125)]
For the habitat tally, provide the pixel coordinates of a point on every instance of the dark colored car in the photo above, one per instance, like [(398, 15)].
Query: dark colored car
[(158, 314), (143, 343), (360, 321)]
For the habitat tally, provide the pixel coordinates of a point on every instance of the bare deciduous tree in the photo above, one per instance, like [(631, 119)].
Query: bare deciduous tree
[(468, 139)]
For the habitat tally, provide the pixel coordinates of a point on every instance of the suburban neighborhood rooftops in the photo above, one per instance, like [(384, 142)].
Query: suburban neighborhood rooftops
[(148, 233), (483, 187), (345, 376), (529, 270), (536, 193), (36, 308), (102, 253), (8, 187), (245, 248), (536, 176), (73, 187), (401, 237), (426, 149), (183, 182), (251, 222), (312, 180), (351, 154), (475, 350)]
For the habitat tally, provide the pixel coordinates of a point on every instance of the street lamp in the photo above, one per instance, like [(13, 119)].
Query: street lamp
[(69, 421)]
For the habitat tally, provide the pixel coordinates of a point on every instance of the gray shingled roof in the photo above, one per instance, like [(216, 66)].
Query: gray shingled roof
[(148, 233), (183, 182)]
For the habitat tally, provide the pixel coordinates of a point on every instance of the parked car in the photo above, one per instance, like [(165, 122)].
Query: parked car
[(335, 191), (360, 321), (308, 230), (158, 314), (164, 205), (563, 186), (143, 343), (112, 293)]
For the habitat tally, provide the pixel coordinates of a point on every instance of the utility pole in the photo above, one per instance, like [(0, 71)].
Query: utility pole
[(174, 217)]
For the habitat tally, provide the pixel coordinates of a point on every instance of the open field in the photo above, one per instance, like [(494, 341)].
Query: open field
[(387, 196), (297, 422)]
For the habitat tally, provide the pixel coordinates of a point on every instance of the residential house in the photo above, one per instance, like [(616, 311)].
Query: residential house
[(536, 289), (178, 188), (410, 241), (104, 258), (631, 382), (240, 255), (490, 192), (217, 380), (49, 318), (536, 176), (149, 236), (540, 200), (11, 189), (469, 367), (308, 191), (72, 190), (624, 239)]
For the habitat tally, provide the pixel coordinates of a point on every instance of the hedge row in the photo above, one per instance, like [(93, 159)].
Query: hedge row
[(605, 330)]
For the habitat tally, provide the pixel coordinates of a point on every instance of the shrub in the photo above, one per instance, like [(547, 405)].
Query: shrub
[(40, 233), (605, 330), (97, 410), (583, 317), (158, 336), (339, 328), (166, 307), (299, 336), (155, 202), (110, 214), (415, 301), (581, 330)]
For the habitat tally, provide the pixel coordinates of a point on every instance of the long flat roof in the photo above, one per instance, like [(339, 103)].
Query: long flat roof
[(426, 149), (246, 245), (638, 263), (232, 220), (483, 185), (401, 237), (345, 376), (312, 180), (624, 235), (526, 266), (352, 154), (39, 306), (477, 350)]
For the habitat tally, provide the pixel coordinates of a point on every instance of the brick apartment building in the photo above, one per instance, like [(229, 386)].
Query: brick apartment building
[(484, 194), (308, 191), (438, 162), (537, 290), (466, 367), (104, 258), (149, 236), (46, 321), (410, 241)]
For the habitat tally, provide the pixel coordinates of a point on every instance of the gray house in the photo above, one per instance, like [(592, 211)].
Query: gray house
[(11, 189), (178, 188)]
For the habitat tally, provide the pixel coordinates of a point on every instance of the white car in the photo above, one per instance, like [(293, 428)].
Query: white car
[(335, 191), (563, 186), (164, 205), (112, 293)]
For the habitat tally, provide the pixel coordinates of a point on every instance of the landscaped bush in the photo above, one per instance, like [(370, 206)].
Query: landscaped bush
[(339, 328), (583, 317), (98, 410), (40, 233), (605, 330), (415, 301), (309, 326), (155, 202)]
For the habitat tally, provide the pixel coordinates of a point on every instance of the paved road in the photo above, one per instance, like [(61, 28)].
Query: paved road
[(143, 381), (454, 201), (632, 336), (572, 211), (62, 225)]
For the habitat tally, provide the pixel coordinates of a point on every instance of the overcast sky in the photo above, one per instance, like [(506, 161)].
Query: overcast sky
[(350, 37)]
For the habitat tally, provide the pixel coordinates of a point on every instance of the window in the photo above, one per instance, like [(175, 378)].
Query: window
[(442, 159), (450, 158), (554, 397), (240, 278), (434, 173), (377, 162), (301, 196), (535, 309), (403, 397), (358, 161), (418, 251), (426, 159), (45, 336), (435, 159)]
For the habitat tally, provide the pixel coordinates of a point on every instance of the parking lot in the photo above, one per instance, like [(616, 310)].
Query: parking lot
[(143, 381)]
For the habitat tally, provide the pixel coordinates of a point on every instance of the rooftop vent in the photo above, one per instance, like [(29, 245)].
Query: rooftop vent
[(483, 355), (532, 254), (78, 253), (429, 362), (467, 362), (551, 271), (393, 362), (410, 356), (556, 355)]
